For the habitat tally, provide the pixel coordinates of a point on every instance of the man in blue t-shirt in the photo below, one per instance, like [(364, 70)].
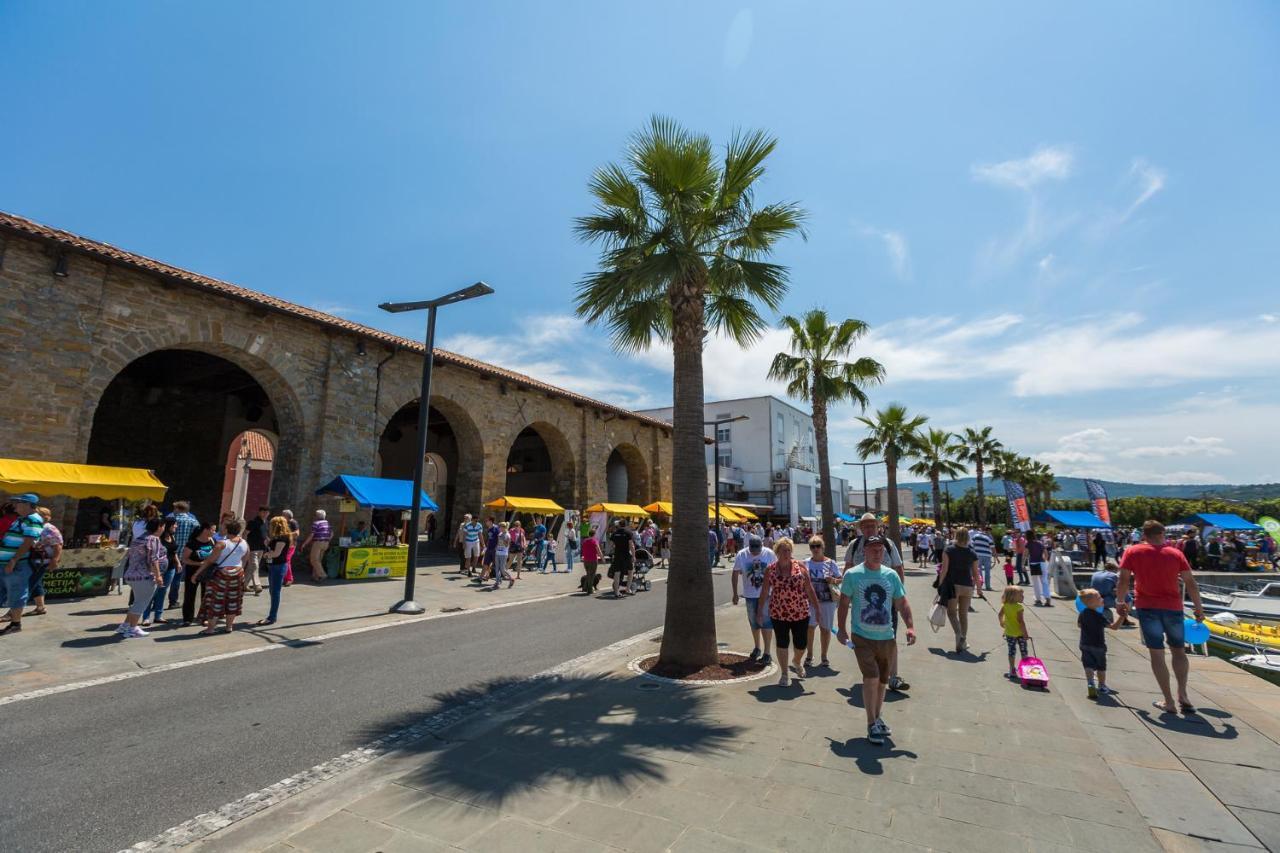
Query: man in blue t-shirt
[(873, 593)]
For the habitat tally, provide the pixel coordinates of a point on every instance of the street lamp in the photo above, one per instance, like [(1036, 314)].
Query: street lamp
[(407, 604), (716, 441), (864, 465)]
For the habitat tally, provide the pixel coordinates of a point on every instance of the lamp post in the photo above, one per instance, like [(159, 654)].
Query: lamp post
[(864, 465), (407, 604), (715, 438)]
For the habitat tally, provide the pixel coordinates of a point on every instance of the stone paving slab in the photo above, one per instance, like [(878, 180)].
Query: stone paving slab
[(607, 760)]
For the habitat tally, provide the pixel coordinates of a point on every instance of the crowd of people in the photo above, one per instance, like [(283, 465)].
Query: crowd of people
[(172, 562), (793, 603)]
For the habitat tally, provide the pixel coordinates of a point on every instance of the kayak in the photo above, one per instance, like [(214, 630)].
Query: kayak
[(1248, 636)]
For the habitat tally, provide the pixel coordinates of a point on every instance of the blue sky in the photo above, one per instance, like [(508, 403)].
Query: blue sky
[(1059, 221)]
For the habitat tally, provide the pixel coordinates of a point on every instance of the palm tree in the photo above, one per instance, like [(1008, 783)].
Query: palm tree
[(937, 455), (684, 251), (978, 447), (891, 434), (814, 371)]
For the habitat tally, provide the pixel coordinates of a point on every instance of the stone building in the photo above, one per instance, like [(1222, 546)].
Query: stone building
[(117, 359)]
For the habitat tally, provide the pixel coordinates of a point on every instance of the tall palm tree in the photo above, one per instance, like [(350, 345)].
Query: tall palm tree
[(891, 434), (978, 447), (814, 371), (936, 453), (684, 250)]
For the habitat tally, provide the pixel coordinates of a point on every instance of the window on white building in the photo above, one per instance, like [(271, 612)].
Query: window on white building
[(726, 458), (722, 433)]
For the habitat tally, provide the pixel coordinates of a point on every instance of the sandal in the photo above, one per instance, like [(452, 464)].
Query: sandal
[(1161, 707), (206, 633), (265, 622), (1186, 707), (39, 611)]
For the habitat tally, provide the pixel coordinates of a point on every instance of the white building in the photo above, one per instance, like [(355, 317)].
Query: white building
[(769, 459), (877, 500)]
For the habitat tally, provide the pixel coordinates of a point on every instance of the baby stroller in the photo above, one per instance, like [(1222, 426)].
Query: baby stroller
[(640, 572)]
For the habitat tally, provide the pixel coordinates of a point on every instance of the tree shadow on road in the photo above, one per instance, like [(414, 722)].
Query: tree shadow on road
[(509, 737)]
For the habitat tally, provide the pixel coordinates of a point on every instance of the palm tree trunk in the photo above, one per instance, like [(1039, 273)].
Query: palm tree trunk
[(891, 470), (937, 501), (982, 494), (689, 632), (824, 474)]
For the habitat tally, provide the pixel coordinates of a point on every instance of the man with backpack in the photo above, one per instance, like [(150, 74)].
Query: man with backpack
[(854, 556)]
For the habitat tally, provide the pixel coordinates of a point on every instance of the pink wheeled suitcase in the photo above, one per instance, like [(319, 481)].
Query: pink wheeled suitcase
[(1032, 672)]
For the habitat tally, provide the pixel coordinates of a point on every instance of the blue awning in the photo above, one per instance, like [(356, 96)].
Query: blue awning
[(844, 516), (376, 493), (1220, 520), (1071, 518)]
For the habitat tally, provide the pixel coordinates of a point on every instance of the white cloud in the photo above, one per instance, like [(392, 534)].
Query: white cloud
[(1151, 180), (1269, 318), (737, 42), (1045, 264), (1189, 446), (1052, 162), (895, 245)]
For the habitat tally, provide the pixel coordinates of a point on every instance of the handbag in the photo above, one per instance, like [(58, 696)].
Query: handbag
[(937, 615)]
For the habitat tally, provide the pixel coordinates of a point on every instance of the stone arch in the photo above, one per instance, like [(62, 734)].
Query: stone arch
[(625, 465), (457, 442), (238, 390), (540, 464)]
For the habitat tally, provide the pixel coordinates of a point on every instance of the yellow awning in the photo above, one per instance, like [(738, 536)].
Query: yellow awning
[(626, 510), (514, 504), (68, 479), (730, 513), (744, 513), (659, 508)]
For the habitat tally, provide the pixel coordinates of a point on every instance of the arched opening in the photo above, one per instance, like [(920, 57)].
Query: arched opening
[(246, 484), (398, 446), (626, 476), (540, 465), (182, 412)]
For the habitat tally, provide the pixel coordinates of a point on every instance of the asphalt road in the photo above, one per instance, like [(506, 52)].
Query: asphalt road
[(101, 768)]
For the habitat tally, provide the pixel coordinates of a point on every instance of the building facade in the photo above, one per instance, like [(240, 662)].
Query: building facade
[(877, 500), (129, 361), (768, 459)]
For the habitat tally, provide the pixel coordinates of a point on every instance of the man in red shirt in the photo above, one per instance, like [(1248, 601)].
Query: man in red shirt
[(1157, 568)]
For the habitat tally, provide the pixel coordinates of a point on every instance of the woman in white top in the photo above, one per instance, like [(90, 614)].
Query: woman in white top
[(224, 596)]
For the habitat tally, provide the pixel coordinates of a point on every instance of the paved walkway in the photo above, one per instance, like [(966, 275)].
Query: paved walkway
[(76, 641), (596, 758)]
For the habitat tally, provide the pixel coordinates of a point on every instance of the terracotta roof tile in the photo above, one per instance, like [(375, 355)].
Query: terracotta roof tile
[(107, 252)]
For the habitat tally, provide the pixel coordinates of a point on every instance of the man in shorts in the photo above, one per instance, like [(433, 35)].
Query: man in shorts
[(750, 564), (868, 526), (874, 595), (1156, 568), (469, 535)]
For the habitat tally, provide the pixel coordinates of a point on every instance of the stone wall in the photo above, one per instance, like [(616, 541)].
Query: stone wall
[(67, 338)]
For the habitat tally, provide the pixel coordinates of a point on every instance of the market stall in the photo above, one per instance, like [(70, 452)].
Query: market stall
[(534, 509), (379, 553), (87, 570)]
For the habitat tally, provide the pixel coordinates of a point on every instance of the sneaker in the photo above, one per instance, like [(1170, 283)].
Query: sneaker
[(898, 685), (784, 680), (808, 661), (754, 656), (884, 727), (1093, 691), (122, 628), (874, 735), (136, 632), (766, 659), (1106, 691)]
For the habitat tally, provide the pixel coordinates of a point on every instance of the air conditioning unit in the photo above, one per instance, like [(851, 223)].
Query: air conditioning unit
[(779, 476)]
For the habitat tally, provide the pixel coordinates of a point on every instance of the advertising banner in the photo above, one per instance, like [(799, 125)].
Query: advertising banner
[(71, 582), (1019, 514), (363, 563), (1098, 497)]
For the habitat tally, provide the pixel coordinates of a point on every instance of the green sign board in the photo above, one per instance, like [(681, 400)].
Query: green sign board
[(77, 583)]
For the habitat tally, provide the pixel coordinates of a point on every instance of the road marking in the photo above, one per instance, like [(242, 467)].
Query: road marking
[(203, 825), (42, 692)]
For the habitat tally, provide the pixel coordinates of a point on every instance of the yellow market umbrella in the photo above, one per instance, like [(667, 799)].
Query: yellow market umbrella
[(659, 508), (72, 480), (625, 510), (517, 504)]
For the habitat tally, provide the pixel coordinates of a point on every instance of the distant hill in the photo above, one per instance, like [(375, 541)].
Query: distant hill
[(1072, 488)]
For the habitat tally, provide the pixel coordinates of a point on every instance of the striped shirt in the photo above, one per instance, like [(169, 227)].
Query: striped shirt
[(320, 530), (29, 527), (185, 527), (471, 532), (981, 544)]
